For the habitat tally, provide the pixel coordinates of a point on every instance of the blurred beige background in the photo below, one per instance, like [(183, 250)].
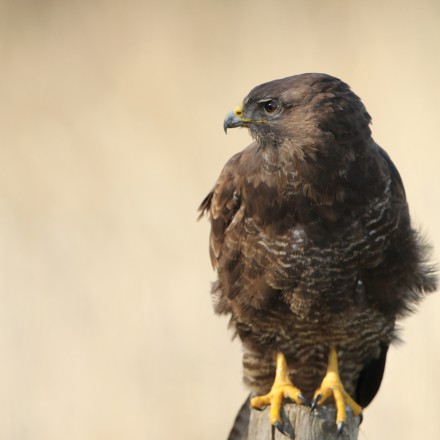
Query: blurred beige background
[(110, 135)]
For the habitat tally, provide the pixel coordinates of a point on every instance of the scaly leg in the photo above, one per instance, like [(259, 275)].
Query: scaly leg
[(282, 387), (332, 386)]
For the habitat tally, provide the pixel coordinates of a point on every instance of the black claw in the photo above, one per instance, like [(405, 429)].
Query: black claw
[(258, 409), (280, 428), (315, 402), (361, 418), (340, 428), (304, 400)]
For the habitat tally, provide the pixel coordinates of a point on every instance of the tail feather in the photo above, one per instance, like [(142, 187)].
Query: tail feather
[(239, 430)]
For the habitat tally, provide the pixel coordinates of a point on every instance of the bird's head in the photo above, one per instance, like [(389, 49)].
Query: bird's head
[(305, 111)]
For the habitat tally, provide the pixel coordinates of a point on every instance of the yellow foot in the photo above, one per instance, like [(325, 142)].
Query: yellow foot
[(282, 387), (332, 386)]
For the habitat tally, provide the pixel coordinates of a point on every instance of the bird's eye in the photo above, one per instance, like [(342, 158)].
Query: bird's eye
[(270, 106)]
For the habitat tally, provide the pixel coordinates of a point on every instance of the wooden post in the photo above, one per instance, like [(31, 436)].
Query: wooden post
[(300, 424)]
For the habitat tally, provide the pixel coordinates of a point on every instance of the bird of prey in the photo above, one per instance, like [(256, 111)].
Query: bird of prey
[(313, 246)]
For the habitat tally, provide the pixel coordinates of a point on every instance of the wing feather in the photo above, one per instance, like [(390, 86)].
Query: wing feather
[(395, 175), (223, 202)]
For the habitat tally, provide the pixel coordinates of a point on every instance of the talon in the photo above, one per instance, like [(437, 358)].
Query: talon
[(304, 400), (361, 419), (281, 388), (315, 401), (279, 426), (340, 428)]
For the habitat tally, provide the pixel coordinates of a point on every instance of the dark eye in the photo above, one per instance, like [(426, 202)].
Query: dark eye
[(271, 106)]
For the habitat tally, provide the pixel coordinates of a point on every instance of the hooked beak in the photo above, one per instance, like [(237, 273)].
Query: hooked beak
[(235, 118), (232, 121)]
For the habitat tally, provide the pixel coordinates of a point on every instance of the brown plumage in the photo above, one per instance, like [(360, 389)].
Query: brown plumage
[(311, 238)]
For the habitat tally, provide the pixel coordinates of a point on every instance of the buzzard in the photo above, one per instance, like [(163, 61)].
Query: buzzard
[(313, 246)]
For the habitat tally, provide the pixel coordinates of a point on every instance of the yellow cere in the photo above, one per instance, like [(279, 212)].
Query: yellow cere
[(238, 110)]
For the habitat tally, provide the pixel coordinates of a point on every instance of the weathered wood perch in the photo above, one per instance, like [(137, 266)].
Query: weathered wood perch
[(300, 424)]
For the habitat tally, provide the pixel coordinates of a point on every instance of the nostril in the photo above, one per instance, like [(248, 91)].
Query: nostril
[(238, 110)]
